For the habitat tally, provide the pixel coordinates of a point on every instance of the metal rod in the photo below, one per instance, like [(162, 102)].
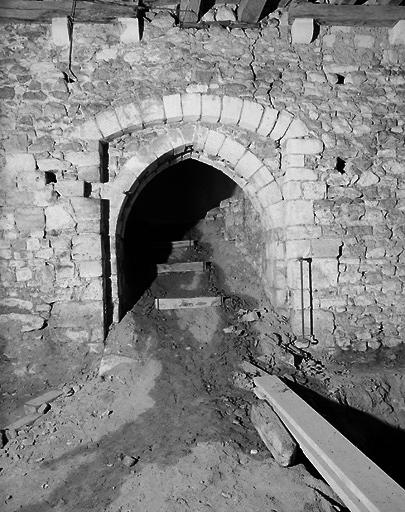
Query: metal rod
[(311, 301), (302, 297)]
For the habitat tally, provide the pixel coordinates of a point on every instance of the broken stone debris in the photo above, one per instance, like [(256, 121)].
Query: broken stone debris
[(274, 434), (129, 461), (111, 361)]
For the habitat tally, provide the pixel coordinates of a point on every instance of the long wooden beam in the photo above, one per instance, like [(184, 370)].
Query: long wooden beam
[(250, 10), (326, 14), (43, 12), (190, 11), (361, 484)]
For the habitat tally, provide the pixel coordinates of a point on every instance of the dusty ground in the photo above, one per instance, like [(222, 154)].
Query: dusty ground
[(177, 411)]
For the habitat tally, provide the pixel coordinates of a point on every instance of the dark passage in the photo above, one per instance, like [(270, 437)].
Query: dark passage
[(167, 210)]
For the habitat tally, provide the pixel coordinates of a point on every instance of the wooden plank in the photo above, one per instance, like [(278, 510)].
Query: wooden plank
[(249, 11), (189, 303), (43, 12), (189, 266), (371, 15), (190, 11), (360, 483), (183, 243)]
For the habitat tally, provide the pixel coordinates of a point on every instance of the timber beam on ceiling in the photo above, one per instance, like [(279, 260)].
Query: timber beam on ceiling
[(328, 14), (387, 13)]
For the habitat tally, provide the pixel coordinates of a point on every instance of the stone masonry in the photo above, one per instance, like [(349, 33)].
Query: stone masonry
[(313, 134)]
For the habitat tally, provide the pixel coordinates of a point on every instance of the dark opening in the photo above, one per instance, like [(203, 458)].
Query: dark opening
[(340, 79), (340, 165), (166, 210), (50, 177)]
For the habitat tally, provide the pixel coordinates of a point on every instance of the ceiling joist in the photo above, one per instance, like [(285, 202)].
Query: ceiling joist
[(249, 11), (328, 14), (342, 12)]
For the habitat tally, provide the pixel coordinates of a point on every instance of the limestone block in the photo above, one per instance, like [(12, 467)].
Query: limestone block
[(248, 165), (299, 212), (302, 30), (283, 122), (298, 249), (129, 117), (76, 314), (299, 174), (57, 218), (23, 274), (11, 302), (30, 220), (268, 121), (86, 247), (396, 34), (313, 189), (304, 146), (172, 108), (324, 324), (261, 178), (152, 111), (88, 131), (274, 434), (129, 30), (231, 151), (292, 161), (60, 32), (20, 162), (85, 207), (294, 274), (363, 41), (276, 214), (108, 124), (325, 248), (251, 115), (93, 290), (83, 158), (90, 268), (7, 221), (21, 322), (160, 146), (89, 173), (324, 272), (52, 164), (231, 110), (191, 106), (367, 179), (70, 188), (199, 138), (270, 194), (213, 143), (296, 130), (292, 190), (210, 108), (64, 272)]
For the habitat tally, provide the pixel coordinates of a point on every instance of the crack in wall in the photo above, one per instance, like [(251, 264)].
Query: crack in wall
[(252, 50)]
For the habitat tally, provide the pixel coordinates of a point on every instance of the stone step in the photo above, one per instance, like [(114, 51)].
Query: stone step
[(187, 303), (191, 266), (361, 484)]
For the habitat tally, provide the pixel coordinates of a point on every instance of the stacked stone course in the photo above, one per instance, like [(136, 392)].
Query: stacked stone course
[(275, 117)]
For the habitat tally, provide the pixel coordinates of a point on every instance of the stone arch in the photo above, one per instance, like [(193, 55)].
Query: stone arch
[(195, 121)]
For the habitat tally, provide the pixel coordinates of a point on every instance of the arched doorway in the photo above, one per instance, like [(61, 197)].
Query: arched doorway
[(167, 209)]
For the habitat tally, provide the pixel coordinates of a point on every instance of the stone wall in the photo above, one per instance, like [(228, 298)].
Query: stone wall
[(320, 124)]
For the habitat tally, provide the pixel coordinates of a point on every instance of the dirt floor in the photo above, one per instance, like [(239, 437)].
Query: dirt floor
[(171, 430)]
